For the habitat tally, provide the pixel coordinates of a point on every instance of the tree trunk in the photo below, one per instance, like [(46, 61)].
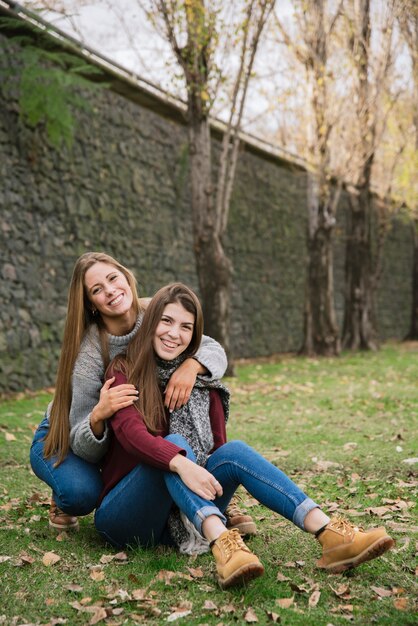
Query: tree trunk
[(413, 329), (359, 330), (320, 327), (214, 269)]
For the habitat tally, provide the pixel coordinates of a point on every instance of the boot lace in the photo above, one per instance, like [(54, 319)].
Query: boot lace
[(231, 542), (342, 525), (233, 509)]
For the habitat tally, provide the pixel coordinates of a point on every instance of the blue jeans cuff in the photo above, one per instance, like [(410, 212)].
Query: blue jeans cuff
[(203, 514), (302, 511)]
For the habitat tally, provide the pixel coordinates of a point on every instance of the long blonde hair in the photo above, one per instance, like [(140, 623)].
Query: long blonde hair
[(140, 365), (79, 317)]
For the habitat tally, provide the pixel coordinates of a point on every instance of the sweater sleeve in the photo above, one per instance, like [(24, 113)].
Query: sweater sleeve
[(130, 430), (87, 382), (217, 419), (212, 356)]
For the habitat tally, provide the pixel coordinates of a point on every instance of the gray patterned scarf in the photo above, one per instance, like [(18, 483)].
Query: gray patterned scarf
[(192, 421)]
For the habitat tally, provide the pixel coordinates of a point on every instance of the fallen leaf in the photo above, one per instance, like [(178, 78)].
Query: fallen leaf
[(97, 575), (118, 611), (10, 437), (401, 604), (350, 445), (3, 559), (196, 572), (314, 599), (24, 559), (285, 603), (99, 615), (378, 510), (298, 588), (166, 576), (74, 588), (250, 616), (274, 617), (342, 591), (106, 558), (324, 466), (50, 558), (209, 605), (281, 577), (177, 615), (381, 592)]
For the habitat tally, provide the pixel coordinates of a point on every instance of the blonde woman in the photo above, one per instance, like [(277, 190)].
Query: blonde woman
[(104, 314)]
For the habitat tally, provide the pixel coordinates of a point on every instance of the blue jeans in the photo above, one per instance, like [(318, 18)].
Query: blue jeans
[(75, 483), (137, 508)]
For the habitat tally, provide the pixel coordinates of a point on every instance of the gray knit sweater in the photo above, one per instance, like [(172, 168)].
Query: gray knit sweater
[(88, 379)]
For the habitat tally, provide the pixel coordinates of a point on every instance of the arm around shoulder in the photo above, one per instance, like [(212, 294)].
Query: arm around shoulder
[(213, 357)]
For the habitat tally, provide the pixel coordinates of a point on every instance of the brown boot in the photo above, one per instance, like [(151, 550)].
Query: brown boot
[(345, 546), (235, 518), (235, 563), (60, 520)]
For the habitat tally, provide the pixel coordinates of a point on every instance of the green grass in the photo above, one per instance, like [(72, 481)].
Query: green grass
[(341, 428)]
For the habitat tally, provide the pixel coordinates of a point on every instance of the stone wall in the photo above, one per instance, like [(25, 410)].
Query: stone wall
[(123, 189)]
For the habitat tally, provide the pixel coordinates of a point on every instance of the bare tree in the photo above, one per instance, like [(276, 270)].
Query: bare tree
[(363, 266), (408, 21), (192, 29), (315, 26)]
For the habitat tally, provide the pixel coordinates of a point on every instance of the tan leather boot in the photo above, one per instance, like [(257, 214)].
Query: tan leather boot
[(345, 546), (58, 520), (235, 563), (236, 518)]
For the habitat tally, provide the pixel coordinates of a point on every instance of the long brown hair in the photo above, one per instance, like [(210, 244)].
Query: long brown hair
[(79, 317), (139, 365)]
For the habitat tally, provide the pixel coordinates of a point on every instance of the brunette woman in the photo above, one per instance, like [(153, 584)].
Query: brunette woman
[(169, 476)]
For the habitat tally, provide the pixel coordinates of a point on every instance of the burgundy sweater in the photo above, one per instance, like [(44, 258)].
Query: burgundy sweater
[(131, 443)]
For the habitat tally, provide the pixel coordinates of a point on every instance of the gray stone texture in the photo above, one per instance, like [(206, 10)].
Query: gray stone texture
[(123, 188)]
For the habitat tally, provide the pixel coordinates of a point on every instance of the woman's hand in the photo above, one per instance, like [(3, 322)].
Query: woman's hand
[(111, 400), (181, 383), (196, 478)]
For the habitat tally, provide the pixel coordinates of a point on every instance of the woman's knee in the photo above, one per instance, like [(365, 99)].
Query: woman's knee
[(236, 448), (81, 497), (181, 442)]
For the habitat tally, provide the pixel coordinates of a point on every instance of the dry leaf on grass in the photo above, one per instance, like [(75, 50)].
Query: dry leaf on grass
[(250, 616), (209, 605), (401, 604), (285, 603), (99, 615), (178, 615), (314, 599), (381, 592), (342, 591), (97, 575), (196, 572), (50, 558)]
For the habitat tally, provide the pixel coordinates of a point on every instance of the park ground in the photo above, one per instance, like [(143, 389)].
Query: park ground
[(344, 429)]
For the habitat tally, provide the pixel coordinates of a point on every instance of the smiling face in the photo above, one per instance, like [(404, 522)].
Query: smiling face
[(109, 292), (174, 331)]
